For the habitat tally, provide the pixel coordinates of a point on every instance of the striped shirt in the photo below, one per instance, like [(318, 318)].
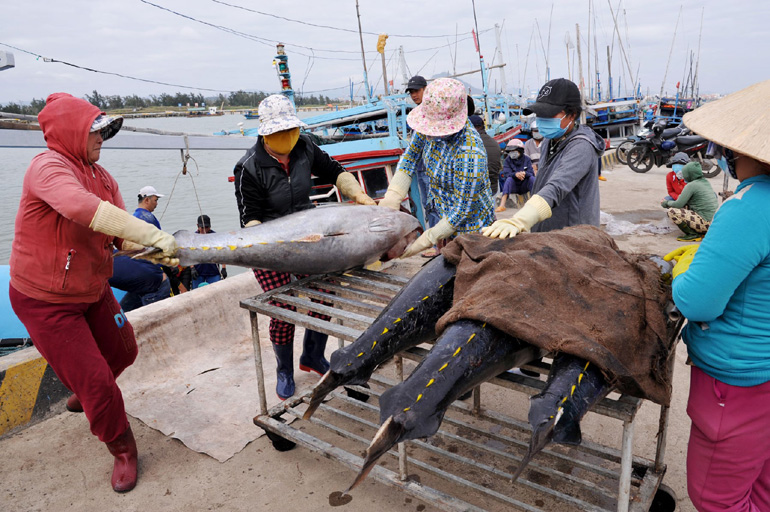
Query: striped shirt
[(459, 179)]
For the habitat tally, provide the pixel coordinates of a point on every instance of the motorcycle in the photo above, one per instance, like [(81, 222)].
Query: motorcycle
[(645, 133), (663, 143)]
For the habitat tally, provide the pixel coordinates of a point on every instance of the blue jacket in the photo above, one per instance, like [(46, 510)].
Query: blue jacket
[(147, 216), (511, 167), (724, 294)]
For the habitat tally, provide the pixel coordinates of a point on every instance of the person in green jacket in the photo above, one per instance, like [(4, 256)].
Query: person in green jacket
[(693, 210)]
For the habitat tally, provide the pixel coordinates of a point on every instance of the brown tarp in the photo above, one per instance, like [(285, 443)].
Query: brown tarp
[(573, 291)]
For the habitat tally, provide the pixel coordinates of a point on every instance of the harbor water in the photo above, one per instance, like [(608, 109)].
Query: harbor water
[(204, 189)]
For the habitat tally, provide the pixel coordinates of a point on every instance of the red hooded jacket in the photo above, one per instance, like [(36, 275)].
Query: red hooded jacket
[(55, 256)]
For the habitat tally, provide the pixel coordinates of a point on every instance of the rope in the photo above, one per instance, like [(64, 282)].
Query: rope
[(186, 157)]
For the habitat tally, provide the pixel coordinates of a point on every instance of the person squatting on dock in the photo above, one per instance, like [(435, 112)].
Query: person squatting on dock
[(674, 180), (455, 162), (272, 180), (70, 215), (721, 286), (518, 176), (694, 208)]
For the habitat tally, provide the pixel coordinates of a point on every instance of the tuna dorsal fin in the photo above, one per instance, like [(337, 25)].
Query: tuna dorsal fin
[(384, 439), (380, 224)]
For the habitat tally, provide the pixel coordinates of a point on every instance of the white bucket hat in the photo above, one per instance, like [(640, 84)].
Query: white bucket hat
[(443, 111), (276, 113), (738, 121), (149, 190), (108, 125)]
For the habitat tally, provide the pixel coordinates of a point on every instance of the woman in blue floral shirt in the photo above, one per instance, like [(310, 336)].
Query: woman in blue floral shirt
[(455, 161)]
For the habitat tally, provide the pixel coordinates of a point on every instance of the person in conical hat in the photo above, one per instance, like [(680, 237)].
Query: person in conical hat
[(721, 286)]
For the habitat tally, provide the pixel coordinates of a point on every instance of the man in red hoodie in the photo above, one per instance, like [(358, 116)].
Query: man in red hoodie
[(70, 216)]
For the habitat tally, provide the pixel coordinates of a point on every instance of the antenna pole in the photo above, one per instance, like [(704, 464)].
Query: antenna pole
[(363, 56)]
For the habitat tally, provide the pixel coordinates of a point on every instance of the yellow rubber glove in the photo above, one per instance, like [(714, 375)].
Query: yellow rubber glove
[(533, 211), (114, 221), (397, 191), (442, 230), (251, 223), (348, 185), (156, 258), (683, 257)]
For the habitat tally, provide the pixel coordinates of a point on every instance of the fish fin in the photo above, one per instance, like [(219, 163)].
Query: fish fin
[(567, 433), (326, 385), (137, 253), (387, 436), (541, 436), (380, 224)]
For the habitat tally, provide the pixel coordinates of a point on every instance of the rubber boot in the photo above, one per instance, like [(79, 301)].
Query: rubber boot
[(73, 404), (312, 358), (124, 472), (690, 235), (284, 357)]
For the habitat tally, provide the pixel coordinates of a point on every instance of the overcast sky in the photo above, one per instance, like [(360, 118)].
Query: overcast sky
[(138, 39)]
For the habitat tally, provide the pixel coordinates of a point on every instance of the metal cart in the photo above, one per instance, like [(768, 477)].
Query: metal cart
[(467, 465)]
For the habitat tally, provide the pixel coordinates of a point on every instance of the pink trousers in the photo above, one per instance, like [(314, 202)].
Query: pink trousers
[(87, 346), (728, 457)]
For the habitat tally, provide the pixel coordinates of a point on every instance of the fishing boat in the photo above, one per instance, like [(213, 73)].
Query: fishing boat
[(251, 114)]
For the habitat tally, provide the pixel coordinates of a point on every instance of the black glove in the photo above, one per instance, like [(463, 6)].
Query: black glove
[(223, 273), (194, 273)]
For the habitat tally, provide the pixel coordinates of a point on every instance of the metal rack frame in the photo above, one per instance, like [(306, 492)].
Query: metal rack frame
[(589, 471)]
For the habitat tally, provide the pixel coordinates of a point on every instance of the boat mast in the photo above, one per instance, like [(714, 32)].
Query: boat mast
[(580, 74), (381, 49), (665, 74), (588, 53), (620, 42), (481, 62), (499, 51), (596, 64), (404, 68), (697, 62), (363, 56), (548, 52)]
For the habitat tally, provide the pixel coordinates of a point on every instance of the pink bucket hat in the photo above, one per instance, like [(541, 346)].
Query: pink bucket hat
[(444, 108)]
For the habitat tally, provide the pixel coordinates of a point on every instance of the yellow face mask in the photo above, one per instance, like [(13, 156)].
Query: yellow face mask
[(284, 141)]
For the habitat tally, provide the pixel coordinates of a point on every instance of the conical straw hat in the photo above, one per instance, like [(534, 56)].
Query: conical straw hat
[(739, 121)]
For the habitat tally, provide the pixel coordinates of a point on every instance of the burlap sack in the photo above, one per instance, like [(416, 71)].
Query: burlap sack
[(574, 291)]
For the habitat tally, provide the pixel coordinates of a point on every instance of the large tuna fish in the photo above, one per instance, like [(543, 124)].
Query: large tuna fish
[(316, 241), (467, 353), (574, 386), (408, 320)]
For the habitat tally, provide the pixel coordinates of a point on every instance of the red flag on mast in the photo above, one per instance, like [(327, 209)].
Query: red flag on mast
[(475, 40)]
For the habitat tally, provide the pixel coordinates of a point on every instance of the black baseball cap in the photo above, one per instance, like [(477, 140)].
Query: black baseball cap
[(553, 97), (204, 221), (415, 83)]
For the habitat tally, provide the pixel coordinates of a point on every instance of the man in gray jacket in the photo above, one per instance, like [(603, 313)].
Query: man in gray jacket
[(566, 191)]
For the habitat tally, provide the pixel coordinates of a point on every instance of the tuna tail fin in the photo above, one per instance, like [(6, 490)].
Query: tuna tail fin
[(568, 433), (137, 253), (326, 385), (541, 436), (388, 435)]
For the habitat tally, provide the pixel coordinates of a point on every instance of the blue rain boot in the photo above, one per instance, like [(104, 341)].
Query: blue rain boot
[(312, 358), (284, 357)]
